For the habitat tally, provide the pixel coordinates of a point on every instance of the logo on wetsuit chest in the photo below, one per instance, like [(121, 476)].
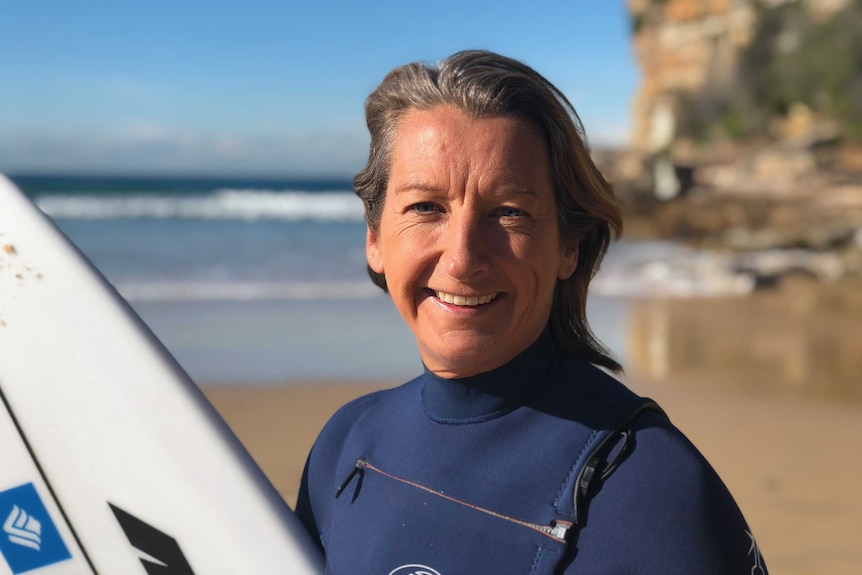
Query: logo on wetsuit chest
[(414, 570)]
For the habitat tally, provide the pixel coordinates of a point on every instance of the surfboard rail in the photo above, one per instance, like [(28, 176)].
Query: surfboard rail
[(114, 461)]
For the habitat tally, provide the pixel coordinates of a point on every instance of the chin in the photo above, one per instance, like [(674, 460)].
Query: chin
[(470, 356)]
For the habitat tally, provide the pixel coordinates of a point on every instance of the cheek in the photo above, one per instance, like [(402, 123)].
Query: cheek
[(416, 236), (413, 245), (406, 265), (512, 248), (538, 255)]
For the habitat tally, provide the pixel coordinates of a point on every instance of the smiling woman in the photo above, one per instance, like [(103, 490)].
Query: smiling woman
[(513, 452), (468, 239), (585, 207)]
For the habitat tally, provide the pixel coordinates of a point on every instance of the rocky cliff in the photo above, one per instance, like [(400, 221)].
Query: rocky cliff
[(745, 119), (690, 56)]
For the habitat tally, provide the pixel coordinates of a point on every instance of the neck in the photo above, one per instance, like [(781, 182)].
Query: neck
[(492, 393)]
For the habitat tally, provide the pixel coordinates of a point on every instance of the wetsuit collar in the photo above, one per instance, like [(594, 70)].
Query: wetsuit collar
[(488, 395)]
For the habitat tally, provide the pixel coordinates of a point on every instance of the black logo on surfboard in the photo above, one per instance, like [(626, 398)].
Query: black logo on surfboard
[(165, 555)]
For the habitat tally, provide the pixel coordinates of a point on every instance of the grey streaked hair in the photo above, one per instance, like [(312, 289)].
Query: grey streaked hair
[(485, 84)]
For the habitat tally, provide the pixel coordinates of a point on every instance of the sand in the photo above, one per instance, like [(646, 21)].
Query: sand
[(794, 465), (278, 424)]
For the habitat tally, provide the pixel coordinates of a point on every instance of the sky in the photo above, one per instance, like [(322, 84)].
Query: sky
[(267, 88)]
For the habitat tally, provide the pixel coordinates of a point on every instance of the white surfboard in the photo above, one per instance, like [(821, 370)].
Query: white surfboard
[(111, 459)]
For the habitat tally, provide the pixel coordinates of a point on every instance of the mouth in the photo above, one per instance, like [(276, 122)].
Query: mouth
[(465, 301)]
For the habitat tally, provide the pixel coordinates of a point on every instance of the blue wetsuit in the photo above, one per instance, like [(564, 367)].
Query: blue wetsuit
[(477, 476)]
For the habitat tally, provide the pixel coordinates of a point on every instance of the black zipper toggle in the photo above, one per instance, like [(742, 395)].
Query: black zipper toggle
[(357, 467)]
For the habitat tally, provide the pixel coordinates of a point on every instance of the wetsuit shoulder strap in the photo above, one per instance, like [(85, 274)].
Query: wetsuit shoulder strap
[(606, 456)]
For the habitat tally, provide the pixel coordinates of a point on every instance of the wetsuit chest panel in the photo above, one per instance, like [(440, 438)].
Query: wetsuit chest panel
[(493, 487), (385, 523), (433, 502)]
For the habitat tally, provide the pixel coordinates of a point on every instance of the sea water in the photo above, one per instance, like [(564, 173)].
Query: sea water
[(264, 280)]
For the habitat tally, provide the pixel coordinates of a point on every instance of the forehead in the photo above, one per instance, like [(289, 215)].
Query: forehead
[(443, 127), (445, 138)]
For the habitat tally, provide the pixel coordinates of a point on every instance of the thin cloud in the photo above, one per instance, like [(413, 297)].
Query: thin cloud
[(136, 92), (152, 147)]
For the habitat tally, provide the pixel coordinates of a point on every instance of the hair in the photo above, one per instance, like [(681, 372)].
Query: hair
[(484, 84)]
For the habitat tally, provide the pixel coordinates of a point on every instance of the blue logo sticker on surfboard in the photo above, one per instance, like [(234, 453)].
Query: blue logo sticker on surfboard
[(29, 539)]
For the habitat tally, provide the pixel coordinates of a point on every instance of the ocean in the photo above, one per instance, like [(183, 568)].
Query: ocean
[(261, 281)]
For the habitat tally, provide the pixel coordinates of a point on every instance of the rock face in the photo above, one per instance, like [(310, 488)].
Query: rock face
[(779, 199), (682, 46), (692, 48)]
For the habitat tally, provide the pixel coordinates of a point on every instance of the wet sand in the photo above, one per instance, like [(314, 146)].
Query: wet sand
[(793, 464), (770, 387), (800, 339)]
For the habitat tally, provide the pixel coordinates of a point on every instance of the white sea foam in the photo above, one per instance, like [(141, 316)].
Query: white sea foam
[(673, 279), (223, 204), (246, 291), (665, 269)]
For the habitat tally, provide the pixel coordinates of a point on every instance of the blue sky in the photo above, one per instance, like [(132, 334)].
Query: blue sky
[(267, 88)]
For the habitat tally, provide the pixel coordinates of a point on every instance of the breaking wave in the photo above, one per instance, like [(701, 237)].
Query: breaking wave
[(222, 204)]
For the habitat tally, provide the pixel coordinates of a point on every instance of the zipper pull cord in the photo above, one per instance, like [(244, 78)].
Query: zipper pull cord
[(357, 467)]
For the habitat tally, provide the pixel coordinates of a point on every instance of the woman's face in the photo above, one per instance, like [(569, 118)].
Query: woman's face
[(468, 238)]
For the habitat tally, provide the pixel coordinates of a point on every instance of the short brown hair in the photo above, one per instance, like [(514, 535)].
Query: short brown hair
[(485, 84)]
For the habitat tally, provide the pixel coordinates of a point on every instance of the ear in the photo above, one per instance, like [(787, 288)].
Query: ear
[(373, 251), (568, 263)]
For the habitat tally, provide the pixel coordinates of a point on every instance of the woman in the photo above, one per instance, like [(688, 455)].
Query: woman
[(512, 453)]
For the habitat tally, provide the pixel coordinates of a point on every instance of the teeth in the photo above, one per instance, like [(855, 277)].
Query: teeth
[(465, 301)]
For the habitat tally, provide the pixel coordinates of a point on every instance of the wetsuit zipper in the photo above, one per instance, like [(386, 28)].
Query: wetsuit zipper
[(557, 530)]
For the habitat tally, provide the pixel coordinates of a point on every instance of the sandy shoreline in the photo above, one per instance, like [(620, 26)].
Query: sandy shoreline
[(794, 465), (278, 424)]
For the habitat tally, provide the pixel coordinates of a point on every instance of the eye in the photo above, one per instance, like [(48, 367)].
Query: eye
[(424, 208), (510, 212)]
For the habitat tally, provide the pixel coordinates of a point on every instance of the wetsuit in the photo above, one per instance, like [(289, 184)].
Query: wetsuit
[(477, 475)]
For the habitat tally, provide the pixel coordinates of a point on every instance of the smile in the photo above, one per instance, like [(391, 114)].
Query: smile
[(464, 300)]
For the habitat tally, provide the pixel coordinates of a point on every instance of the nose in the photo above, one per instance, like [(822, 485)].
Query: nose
[(465, 254)]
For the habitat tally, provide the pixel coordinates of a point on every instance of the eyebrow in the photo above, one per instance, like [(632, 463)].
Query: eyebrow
[(516, 190), (506, 190), (415, 186)]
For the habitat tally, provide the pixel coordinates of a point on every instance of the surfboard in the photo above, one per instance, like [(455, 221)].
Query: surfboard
[(112, 461)]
